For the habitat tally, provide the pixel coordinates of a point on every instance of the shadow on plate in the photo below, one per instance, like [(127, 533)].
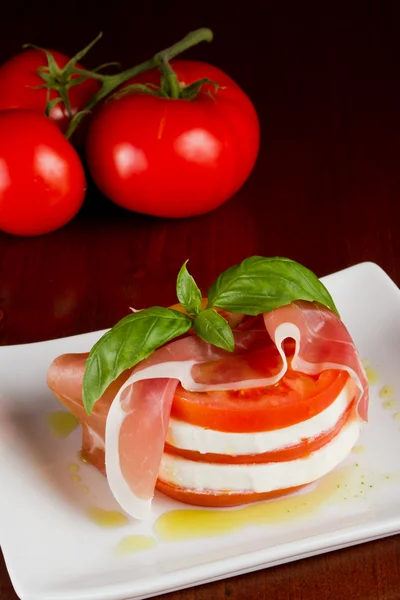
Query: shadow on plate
[(55, 460)]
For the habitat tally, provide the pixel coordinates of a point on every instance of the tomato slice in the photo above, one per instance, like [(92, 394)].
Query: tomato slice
[(295, 398), (222, 499), (305, 448)]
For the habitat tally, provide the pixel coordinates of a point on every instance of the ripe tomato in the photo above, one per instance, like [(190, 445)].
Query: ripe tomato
[(205, 498), (174, 157), (42, 182), (18, 78), (295, 398), (304, 448)]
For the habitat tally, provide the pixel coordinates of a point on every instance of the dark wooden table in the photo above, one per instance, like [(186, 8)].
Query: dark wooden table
[(325, 79)]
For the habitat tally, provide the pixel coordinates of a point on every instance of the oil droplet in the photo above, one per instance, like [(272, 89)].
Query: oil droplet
[(107, 518), (358, 449), (372, 375), (389, 404), (386, 392), (198, 523), (62, 423), (135, 543), (396, 416), (73, 471)]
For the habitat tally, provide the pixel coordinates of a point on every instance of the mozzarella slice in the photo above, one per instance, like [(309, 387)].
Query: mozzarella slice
[(267, 477), (192, 437)]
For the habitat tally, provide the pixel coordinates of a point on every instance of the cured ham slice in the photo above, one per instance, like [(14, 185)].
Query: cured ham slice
[(64, 378), (137, 420), (322, 342), (138, 417)]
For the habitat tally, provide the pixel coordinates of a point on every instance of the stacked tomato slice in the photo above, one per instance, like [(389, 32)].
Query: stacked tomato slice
[(294, 401)]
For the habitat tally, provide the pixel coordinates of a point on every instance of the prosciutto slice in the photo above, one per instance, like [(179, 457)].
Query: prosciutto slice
[(322, 342), (137, 421)]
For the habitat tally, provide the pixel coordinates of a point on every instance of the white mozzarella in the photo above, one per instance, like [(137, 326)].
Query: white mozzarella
[(260, 478), (192, 437)]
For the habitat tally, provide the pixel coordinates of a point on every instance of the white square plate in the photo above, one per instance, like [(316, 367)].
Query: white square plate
[(55, 551)]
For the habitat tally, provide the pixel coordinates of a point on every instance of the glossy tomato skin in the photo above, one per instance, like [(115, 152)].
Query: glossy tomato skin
[(18, 78), (42, 181), (174, 158)]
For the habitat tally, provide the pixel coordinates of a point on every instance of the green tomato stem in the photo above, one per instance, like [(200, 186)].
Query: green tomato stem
[(111, 82), (170, 84)]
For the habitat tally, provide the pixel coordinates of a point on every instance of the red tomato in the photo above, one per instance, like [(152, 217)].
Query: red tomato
[(295, 398), (42, 182), (18, 77), (304, 448), (205, 498), (174, 157)]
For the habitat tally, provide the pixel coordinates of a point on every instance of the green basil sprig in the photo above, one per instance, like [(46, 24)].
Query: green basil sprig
[(188, 293), (261, 284), (131, 340), (254, 286), (214, 329)]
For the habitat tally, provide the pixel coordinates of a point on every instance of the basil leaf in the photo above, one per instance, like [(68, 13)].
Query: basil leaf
[(188, 293), (131, 340), (214, 329), (261, 284)]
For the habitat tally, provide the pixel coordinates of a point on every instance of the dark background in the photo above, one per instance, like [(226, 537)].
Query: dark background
[(324, 77)]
